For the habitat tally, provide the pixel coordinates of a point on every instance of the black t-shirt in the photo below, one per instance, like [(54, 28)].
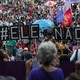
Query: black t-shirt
[(26, 56), (2, 56)]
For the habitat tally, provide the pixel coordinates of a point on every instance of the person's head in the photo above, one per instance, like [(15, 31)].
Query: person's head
[(46, 53), (25, 50), (48, 34), (63, 42), (20, 42)]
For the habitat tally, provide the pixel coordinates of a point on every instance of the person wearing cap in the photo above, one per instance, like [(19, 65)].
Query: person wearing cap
[(26, 54)]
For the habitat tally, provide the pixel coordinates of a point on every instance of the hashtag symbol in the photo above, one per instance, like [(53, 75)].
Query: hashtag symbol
[(4, 33)]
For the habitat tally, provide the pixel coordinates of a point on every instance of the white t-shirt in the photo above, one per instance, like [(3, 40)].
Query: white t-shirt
[(74, 54)]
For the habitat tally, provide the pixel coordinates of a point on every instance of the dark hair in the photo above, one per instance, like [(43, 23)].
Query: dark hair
[(65, 51), (47, 32), (64, 41)]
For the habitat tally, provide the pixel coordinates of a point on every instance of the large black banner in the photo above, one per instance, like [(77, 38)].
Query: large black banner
[(19, 31)]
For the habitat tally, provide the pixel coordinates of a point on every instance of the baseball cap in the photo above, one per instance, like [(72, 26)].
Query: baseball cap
[(25, 49)]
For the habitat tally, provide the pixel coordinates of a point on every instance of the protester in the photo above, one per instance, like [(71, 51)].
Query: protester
[(10, 55), (3, 56), (20, 44), (26, 54), (64, 46), (47, 56), (10, 45), (16, 11)]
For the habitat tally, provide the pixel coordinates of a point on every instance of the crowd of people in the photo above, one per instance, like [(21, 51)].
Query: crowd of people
[(27, 13), (19, 50)]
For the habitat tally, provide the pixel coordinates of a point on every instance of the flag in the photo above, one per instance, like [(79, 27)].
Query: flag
[(59, 16), (51, 16), (67, 14)]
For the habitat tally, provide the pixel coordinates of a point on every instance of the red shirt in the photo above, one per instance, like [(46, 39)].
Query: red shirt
[(31, 10)]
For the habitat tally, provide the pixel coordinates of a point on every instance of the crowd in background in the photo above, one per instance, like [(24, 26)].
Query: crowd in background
[(27, 13)]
